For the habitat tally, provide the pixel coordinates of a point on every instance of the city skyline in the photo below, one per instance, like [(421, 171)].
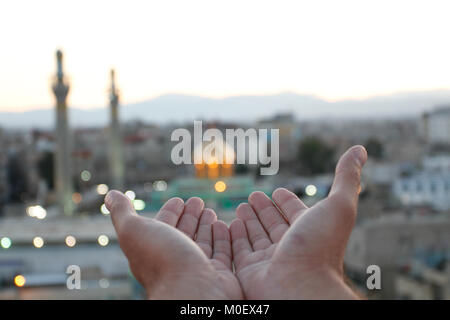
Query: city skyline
[(177, 108), (333, 51)]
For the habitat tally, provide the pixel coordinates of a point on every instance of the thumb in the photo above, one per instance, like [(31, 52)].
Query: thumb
[(120, 208), (347, 180)]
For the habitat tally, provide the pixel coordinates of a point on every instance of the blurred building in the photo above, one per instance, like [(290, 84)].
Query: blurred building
[(393, 243), (63, 175), (437, 163), (428, 187), (437, 125), (214, 180), (115, 138), (289, 134), (425, 189), (422, 282)]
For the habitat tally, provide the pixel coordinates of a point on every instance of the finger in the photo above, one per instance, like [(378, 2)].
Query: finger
[(256, 233), (204, 232), (289, 203), (120, 208), (221, 243), (239, 242), (347, 180), (131, 229), (188, 222), (171, 211), (271, 219)]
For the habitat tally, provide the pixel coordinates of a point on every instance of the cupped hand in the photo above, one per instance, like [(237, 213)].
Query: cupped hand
[(284, 250), (193, 262)]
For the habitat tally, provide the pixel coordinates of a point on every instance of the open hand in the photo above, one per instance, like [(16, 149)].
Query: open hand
[(284, 250), (170, 264)]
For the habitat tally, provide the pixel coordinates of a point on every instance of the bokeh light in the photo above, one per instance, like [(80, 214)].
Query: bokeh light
[(37, 212), (19, 280), (85, 175), (104, 210), (71, 241), (160, 185), (311, 190), (102, 189), (77, 198), (130, 194), (38, 242), (103, 283), (103, 240), (220, 186), (139, 204), (5, 242)]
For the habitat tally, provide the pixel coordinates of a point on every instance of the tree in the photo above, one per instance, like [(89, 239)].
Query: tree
[(46, 168), (17, 178), (241, 169), (374, 148), (315, 156)]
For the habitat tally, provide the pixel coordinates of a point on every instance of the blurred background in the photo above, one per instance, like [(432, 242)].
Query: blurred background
[(90, 93)]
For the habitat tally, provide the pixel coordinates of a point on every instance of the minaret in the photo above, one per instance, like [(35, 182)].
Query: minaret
[(63, 175), (115, 138)]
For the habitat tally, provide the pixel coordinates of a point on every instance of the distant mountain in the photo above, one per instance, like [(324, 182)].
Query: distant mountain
[(180, 108)]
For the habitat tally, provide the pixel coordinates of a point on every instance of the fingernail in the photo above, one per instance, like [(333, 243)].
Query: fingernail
[(109, 199), (361, 154)]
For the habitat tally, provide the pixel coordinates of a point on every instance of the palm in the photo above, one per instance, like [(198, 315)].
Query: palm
[(281, 247), (191, 264)]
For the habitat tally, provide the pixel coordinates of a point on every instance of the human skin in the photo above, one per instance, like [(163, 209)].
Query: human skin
[(281, 249), (284, 250), (184, 253)]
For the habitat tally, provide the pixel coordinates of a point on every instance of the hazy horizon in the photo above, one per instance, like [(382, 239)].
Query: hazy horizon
[(178, 108), (287, 92)]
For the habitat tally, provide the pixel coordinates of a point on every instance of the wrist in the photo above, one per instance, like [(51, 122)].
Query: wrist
[(183, 287), (320, 283), (327, 285)]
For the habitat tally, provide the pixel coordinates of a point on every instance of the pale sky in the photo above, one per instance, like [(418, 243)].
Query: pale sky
[(332, 49)]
